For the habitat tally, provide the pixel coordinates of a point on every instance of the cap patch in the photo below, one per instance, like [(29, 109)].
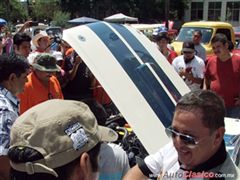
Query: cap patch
[(78, 135)]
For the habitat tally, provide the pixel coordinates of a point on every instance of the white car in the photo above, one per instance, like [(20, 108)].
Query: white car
[(137, 77)]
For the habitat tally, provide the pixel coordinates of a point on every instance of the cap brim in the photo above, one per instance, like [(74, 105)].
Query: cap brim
[(107, 134), (42, 68), (188, 49)]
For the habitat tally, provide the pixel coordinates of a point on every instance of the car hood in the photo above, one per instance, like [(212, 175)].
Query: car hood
[(133, 72)]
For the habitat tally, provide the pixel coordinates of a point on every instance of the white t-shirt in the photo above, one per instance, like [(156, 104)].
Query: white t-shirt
[(163, 161), (196, 66), (165, 164)]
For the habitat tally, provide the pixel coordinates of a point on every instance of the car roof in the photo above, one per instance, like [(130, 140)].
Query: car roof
[(207, 24)]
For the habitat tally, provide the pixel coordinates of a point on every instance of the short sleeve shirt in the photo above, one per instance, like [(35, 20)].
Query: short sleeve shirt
[(8, 114), (196, 66)]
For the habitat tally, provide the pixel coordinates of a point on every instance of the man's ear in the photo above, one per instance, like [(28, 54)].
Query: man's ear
[(12, 77), (219, 135), (85, 165)]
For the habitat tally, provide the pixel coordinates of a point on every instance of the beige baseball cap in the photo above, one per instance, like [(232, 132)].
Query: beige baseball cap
[(61, 130)]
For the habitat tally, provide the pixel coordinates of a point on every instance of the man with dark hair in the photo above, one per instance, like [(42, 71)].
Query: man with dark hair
[(223, 75), (199, 49), (13, 76), (197, 149), (22, 45), (57, 139), (162, 40), (189, 66)]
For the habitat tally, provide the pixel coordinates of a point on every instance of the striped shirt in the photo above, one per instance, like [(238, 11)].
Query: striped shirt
[(9, 106)]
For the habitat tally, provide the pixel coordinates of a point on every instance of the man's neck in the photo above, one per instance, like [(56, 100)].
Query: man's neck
[(43, 82), (7, 86), (188, 60), (165, 52), (225, 57), (216, 158), (40, 50)]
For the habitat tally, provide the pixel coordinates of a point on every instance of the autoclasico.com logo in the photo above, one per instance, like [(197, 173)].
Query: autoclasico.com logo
[(191, 174)]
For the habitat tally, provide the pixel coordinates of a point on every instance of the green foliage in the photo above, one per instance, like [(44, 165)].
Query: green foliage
[(60, 19), (60, 11), (12, 10), (44, 10), (18, 11)]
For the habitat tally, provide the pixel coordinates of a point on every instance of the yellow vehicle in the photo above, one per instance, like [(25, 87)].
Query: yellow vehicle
[(208, 29)]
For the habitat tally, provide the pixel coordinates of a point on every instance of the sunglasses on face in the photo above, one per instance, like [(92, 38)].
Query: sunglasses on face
[(187, 139)]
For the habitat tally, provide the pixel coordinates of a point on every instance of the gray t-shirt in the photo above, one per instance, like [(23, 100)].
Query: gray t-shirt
[(113, 162), (200, 51)]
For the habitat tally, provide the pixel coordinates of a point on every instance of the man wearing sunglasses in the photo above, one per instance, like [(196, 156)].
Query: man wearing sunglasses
[(197, 149), (189, 66)]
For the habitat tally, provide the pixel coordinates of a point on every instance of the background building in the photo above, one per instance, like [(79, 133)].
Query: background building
[(224, 10)]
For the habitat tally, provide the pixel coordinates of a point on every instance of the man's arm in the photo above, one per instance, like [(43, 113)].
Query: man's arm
[(72, 73), (25, 26), (134, 173), (206, 84), (4, 168)]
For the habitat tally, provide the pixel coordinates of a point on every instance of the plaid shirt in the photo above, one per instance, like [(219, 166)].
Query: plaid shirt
[(236, 150), (9, 106)]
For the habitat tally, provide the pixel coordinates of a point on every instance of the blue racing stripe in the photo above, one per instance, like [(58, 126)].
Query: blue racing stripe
[(143, 53), (140, 74)]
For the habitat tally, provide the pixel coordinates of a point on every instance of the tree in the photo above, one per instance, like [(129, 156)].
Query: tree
[(60, 19), (43, 10), (150, 11), (77, 8), (12, 10)]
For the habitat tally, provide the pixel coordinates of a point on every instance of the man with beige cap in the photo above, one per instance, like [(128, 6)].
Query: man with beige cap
[(57, 139)]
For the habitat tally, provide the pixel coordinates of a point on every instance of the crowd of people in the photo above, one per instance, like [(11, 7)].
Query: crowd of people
[(52, 113)]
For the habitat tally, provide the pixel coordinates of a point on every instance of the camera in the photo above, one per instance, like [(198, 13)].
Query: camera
[(33, 23), (57, 39)]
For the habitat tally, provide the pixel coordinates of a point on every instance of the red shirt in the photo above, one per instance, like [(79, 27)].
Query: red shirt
[(35, 92), (171, 56), (225, 78)]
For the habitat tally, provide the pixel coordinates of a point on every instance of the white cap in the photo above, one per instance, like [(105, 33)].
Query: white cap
[(41, 34), (58, 55)]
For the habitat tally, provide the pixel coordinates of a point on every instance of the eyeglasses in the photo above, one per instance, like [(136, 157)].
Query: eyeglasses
[(187, 139)]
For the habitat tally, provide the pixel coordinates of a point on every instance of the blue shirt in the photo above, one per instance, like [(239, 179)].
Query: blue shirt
[(9, 107)]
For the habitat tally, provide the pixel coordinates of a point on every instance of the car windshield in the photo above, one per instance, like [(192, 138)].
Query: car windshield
[(186, 34)]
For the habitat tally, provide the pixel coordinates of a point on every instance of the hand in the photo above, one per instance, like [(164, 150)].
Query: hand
[(27, 24), (182, 73), (189, 75), (77, 60)]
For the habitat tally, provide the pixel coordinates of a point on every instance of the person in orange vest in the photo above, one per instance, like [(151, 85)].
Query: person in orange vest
[(42, 85)]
